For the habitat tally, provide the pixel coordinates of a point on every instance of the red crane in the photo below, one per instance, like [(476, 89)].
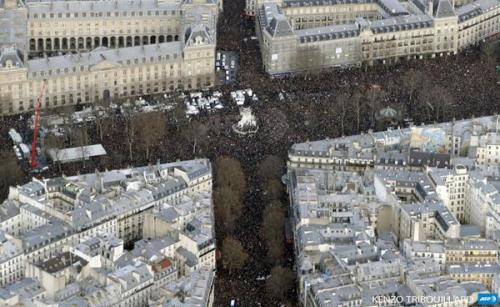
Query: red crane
[(38, 105)]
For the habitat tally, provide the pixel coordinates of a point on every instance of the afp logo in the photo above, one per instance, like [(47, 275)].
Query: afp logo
[(487, 298)]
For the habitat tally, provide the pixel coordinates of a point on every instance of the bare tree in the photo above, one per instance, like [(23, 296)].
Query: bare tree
[(81, 139), (271, 167), (230, 174), (273, 189), (10, 172), (196, 133), (438, 102), (131, 129), (103, 120), (227, 208), (67, 125), (54, 143), (342, 100), (356, 99), (412, 81), (234, 255), (272, 231), (152, 128), (374, 99), (280, 282), (178, 116)]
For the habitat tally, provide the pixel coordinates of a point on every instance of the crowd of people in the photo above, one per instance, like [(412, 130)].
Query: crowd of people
[(295, 109)]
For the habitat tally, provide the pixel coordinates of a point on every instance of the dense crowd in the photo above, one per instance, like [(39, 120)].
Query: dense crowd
[(295, 109)]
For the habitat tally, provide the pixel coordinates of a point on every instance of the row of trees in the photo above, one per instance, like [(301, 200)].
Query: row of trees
[(11, 173), (228, 194), (228, 197), (272, 231), (228, 205)]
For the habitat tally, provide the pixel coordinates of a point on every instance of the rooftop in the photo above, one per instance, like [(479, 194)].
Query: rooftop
[(61, 262)]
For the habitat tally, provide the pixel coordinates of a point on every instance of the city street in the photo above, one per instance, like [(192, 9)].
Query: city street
[(290, 110)]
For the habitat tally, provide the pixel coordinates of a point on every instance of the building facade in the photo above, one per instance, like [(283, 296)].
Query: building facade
[(113, 49), (442, 230), (303, 35)]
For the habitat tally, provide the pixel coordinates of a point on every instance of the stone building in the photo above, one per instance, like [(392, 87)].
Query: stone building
[(96, 50), (300, 35)]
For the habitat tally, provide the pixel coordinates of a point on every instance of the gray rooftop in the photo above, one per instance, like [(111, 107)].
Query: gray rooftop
[(91, 6), (475, 8), (327, 33), (104, 57), (444, 9), (480, 268), (401, 23), (131, 276), (471, 244)]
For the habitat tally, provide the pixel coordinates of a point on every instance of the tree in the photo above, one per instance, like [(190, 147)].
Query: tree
[(152, 128), (356, 99), (437, 100), (227, 207), (234, 255), (230, 174), (280, 282), (177, 116), (374, 99), (412, 81), (10, 172), (131, 129), (54, 143), (342, 100), (67, 124), (81, 139), (273, 189), (271, 167), (103, 120), (488, 54), (272, 231), (196, 133)]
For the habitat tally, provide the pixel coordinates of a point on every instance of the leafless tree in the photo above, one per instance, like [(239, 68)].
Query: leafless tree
[(103, 120), (273, 189), (227, 208), (374, 100), (81, 139), (234, 255), (230, 174), (280, 282), (54, 143), (131, 129), (356, 100), (195, 133), (152, 128), (271, 167), (272, 231), (412, 81), (342, 99), (10, 172), (438, 102)]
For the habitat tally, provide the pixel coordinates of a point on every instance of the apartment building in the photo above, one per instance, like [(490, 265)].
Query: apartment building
[(451, 187), (471, 251), (481, 272), (112, 50), (436, 231), (69, 209), (306, 35)]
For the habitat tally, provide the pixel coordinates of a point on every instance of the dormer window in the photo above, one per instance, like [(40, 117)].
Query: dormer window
[(199, 40)]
